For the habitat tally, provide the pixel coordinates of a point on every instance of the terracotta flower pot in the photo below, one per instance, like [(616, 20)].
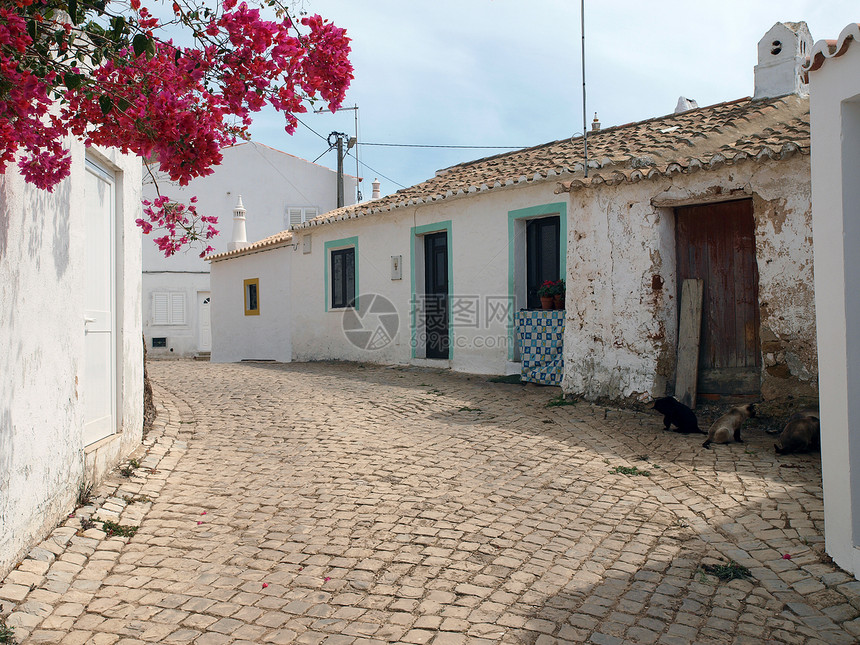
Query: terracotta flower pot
[(546, 302), (558, 301)]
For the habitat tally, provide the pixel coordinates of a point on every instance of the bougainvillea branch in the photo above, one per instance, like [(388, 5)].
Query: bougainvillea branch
[(118, 81)]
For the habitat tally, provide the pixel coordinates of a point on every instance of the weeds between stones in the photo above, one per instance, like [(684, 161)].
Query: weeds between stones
[(726, 572), (132, 499), (630, 470), (85, 495), (559, 401), (122, 530), (86, 524), (466, 408), (511, 379), (7, 634)]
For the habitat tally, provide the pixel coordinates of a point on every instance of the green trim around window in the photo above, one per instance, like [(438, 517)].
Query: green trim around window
[(421, 231), (533, 212), (332, 246)]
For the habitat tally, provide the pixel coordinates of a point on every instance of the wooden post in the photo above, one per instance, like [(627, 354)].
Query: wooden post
[(689, 334)]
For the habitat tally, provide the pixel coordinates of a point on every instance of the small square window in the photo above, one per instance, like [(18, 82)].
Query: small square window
[(159, 342), (252, 297)]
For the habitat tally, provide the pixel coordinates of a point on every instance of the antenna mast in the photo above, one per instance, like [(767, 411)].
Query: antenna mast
[(584, 124)]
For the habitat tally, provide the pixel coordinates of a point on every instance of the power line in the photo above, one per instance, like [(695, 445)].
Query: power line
[(377, 172), (421, 145), (312, 130)]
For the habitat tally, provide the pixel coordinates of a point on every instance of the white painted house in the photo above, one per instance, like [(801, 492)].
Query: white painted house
[(278, 190), (71, 400), (437, 274), (834, 81)]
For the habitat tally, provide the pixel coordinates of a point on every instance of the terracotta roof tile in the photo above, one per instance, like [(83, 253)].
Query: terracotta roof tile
[(699, 139), (273, 241), (824, 49)]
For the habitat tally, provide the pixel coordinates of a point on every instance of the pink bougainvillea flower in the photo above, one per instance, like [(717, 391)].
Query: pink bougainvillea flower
[(174, 105), (203, 513), (786, 556), (265, 584), (199, 523)]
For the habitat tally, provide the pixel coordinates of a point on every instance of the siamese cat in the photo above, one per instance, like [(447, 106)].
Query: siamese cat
[(729, 425)]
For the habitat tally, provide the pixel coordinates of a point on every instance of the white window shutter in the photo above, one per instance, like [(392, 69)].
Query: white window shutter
[(177, 308), (310, 213), (160, 308), (295, 217)]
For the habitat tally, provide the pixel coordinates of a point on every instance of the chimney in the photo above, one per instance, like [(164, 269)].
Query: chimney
[(375, 184), (240, 237), (685, 104), (781, 53), (595, 125)]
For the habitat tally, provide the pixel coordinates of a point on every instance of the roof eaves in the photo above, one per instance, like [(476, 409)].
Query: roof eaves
[(827, 49), (279, 240)]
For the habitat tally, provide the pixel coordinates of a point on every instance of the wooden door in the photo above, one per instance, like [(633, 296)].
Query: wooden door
[(716, 243), (98, 390), (436, 294)]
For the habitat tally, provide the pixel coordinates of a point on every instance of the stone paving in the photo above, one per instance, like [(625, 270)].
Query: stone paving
[(341, 504)]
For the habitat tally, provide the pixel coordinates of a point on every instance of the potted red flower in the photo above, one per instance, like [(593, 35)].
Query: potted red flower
[(546, 293)]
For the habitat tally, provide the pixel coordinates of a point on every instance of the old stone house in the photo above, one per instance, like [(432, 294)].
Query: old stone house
[(277, 190), (440, 273)]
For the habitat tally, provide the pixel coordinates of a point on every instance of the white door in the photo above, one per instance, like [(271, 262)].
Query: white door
[(204, 341), (99, 384)]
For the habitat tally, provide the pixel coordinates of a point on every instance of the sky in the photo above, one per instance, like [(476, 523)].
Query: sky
[(508, 73)]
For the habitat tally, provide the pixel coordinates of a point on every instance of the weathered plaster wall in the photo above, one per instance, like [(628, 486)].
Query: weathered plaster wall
[(266, 336), (42, 459), (269, 181), (621, 330)]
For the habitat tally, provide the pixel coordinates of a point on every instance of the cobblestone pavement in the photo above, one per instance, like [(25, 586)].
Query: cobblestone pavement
[(338, 504)]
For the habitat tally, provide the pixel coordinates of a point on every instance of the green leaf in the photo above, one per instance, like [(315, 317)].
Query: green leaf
[(118, 27), (32, 29), (105, 103), (73, 81), (139, 43), (73, 12)]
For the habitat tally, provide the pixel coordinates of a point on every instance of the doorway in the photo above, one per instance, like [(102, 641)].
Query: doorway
[(98, 390), (204, 339), (436, 294), (716, 243)]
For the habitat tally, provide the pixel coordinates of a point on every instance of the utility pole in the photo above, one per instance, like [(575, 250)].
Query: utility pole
[(354, 109), (341, 153)]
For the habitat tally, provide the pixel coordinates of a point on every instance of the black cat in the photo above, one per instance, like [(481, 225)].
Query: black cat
[(677, 414)]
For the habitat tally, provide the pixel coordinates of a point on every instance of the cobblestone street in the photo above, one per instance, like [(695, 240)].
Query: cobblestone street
[(340, 503)]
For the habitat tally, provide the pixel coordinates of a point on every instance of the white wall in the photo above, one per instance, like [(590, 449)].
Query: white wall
[(621, 332), (835, 107), (479, 266), (42, 456), (236, 336), (269, 181)]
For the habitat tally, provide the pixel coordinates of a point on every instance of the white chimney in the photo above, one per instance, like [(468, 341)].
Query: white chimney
[(781, 53), (240, 237), (375, 185), (595, 125), (685, 104)]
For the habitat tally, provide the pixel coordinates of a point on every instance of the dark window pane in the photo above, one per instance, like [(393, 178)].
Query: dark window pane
[(342, 278), (252, 297), (543, 255)]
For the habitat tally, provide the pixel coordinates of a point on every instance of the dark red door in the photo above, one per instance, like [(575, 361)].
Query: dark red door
[(716, 243)]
